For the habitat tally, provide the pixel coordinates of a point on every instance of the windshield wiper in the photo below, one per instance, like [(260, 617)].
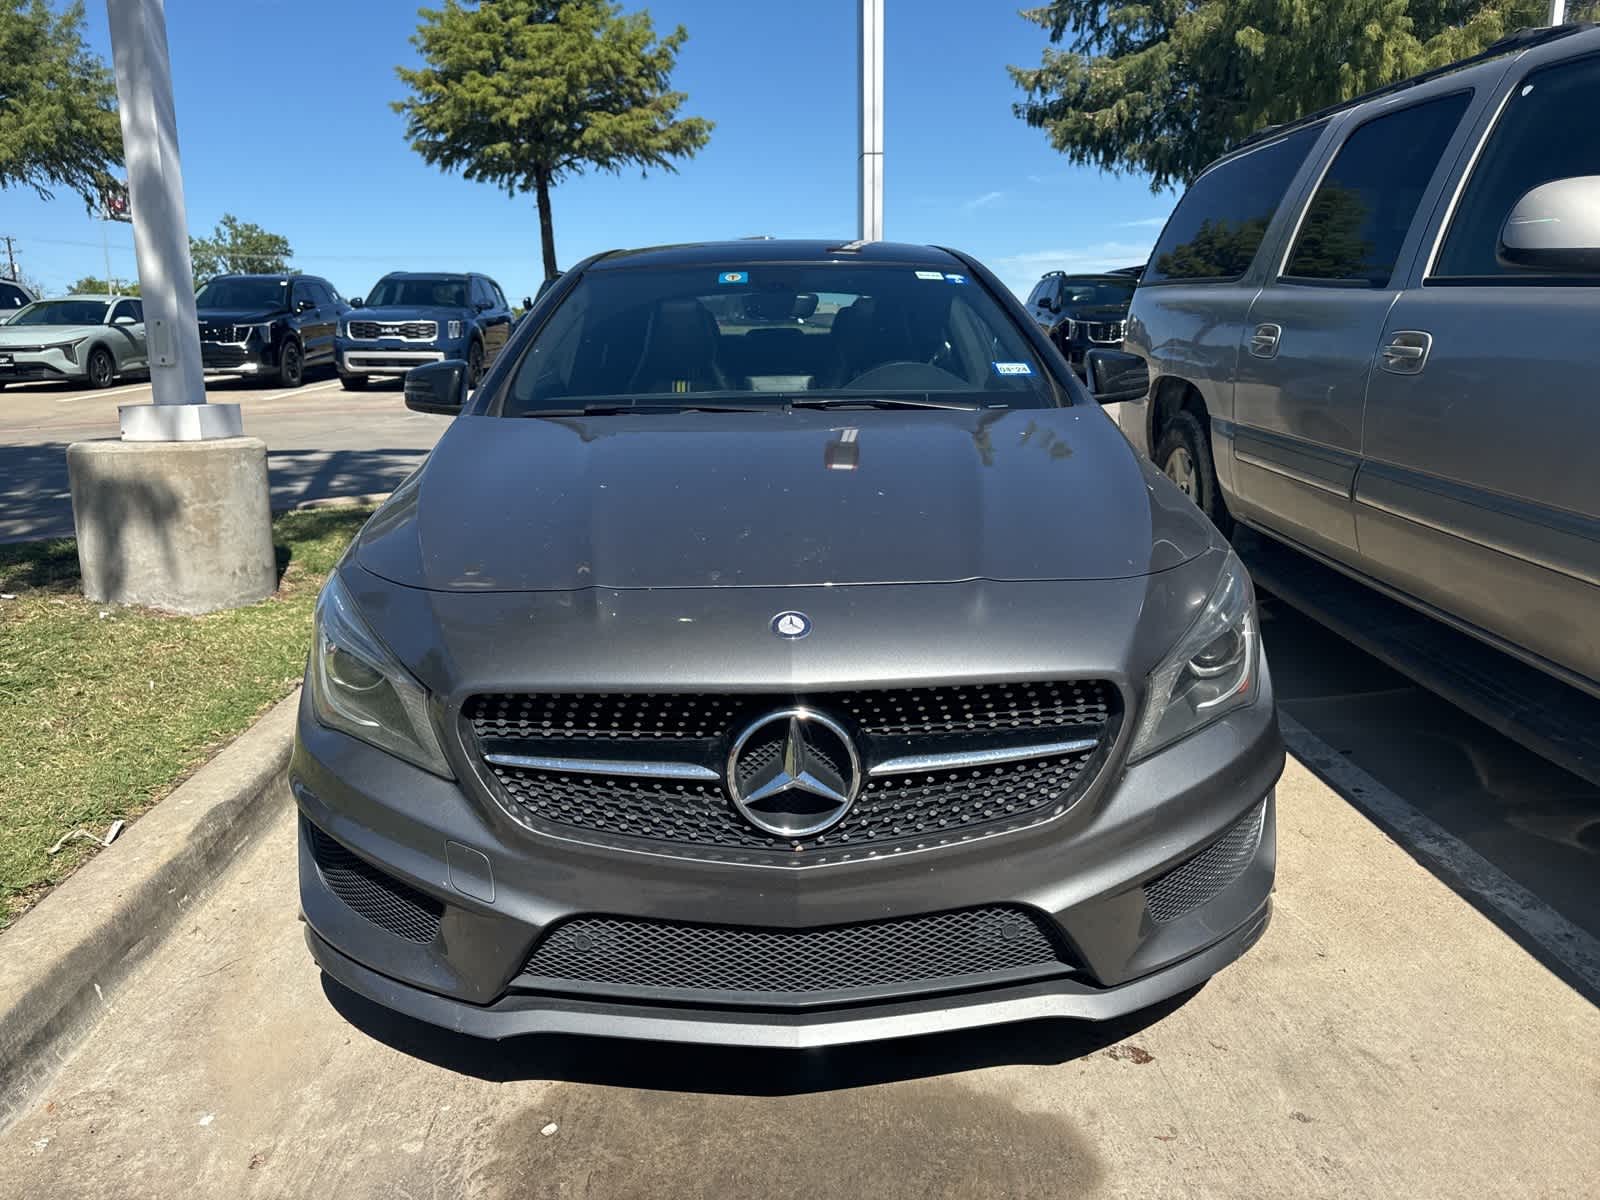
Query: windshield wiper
[(884, 402), (612, 410)]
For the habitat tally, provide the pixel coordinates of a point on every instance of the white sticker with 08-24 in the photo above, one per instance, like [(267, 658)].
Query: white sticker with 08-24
[(1013, 368)]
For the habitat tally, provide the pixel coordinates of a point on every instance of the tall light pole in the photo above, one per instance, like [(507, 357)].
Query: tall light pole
[(871, 78)]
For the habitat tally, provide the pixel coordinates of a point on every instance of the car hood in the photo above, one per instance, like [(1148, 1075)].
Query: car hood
[(695, 500), (45, 335), (238, 316), (396, 313)]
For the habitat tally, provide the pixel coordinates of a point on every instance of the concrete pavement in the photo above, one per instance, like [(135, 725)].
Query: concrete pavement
[(321, 442)]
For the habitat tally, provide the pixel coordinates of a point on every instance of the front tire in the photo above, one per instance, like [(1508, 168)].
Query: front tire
[(291, 365), (1184, 456), (474, 365), (101, 369)]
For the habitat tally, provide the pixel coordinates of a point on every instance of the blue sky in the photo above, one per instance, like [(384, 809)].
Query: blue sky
[(284, 121)]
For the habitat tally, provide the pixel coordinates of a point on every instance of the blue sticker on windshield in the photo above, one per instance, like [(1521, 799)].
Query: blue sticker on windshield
[(1012, 368), (955, 278), (734, 277)]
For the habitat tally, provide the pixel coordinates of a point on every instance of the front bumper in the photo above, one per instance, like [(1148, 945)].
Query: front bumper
[(375, 358), (498, 892), (40, 366), (237, 358)]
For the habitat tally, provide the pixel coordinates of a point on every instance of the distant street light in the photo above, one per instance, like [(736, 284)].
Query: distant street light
[(871, 82)]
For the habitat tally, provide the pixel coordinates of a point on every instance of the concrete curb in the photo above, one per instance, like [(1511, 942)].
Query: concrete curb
[(61, 961)]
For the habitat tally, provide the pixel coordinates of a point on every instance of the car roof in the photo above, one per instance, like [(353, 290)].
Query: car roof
[(281, 276), (441, 275), (776, 250)]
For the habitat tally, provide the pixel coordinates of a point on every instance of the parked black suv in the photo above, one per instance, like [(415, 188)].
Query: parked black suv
[(421, 317), (1080, 312), (273, 326)]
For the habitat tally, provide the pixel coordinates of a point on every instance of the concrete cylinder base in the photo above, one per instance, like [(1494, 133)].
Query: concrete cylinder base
[(183, 526)]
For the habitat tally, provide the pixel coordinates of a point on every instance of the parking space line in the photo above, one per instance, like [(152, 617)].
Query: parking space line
[(1465, 869), (132, 387), (299, 391)]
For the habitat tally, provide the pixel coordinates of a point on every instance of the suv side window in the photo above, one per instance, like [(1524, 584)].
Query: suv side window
[(499, 295), (1217, 228), (127, 308), (480, 293), (1363, 208), (1540, 136), (1040, 291), (11, 297)]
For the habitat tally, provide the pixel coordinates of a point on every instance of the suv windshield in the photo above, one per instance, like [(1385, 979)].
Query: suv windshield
[(62, 312), (1097, 291), (418, 293), (774, 334), (243, 293)]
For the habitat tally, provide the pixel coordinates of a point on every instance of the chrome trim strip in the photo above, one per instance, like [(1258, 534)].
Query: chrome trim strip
[(1276, 468), (978, 758), (604, 766)]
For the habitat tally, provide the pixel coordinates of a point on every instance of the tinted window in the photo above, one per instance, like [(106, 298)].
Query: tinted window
[(1541, 135), (242, 293), (481, 293), (11, 297), (652, 335), (419, 293), (1097, 291), (1041, 291), (1362, 210), (1218, 225), (63, 312), (498, 295), (129, 308)]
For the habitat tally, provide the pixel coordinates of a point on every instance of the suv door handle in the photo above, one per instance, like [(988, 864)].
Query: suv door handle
[(1264, 341), (1407, 352)]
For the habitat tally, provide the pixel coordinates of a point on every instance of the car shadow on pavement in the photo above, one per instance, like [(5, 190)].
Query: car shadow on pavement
[(739, 1071)]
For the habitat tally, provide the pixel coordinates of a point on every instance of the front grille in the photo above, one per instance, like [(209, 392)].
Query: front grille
[(210, 332), (411, 331), (1107, 332), (734, 963), (386, 902), (696, 818), (1200, 879)]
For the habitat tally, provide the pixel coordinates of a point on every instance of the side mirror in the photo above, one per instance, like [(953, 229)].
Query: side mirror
[(1114, 377), (301, 306), (125, 319), (1555, 227), (805, 305), (355, 301), (439, 387), (527, 303)]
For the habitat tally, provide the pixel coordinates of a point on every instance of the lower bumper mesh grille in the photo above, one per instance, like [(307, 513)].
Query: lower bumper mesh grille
[(1190, 884), (386, 902), (732, 963)]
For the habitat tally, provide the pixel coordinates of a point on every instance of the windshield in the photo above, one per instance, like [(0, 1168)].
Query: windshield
[(773, 334), (243, 293), (1097, 291), (418, 293), (62, 312)]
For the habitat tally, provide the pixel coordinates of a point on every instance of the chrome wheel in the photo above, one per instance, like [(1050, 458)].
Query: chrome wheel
[(101, 369), (1180, 469)]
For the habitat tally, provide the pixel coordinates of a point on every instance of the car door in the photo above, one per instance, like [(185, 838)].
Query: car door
[(1309, 336), (494, 321), (127, 335), (1480, 494), (318, 322)]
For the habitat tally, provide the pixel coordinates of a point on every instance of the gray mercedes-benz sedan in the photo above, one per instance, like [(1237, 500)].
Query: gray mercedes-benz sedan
[(781, 648)]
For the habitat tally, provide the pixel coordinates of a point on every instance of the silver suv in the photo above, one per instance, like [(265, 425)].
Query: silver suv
[(1375, 335)]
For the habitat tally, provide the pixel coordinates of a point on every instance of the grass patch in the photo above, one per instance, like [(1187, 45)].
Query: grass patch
[(104, 710)]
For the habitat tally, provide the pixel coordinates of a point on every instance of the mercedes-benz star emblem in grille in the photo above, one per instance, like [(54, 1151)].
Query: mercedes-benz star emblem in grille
[(793, 773), (791, 625)]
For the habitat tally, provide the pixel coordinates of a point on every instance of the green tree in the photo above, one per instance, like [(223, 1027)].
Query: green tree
[(93, 285), (238, 247), (524, 93), (58, 103), (1164, 87)]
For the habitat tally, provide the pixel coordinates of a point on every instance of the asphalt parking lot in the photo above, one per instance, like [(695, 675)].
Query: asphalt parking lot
[(1419, 1020), (322, 441)]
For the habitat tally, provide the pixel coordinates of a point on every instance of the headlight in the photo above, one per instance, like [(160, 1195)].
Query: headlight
[(453, 330), (1068, 327), (69, 350), (1211, 671), (263, 333), (357, 687)]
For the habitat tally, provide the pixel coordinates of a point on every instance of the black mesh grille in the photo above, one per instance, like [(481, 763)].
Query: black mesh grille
[(395, 906), (752, 964), (1190, 884), (987, 708), (902, 809)]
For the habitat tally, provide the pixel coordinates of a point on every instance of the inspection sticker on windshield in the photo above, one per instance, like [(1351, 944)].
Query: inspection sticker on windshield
[(734, 277), (955, 278), (936, 276), (1003, 368)]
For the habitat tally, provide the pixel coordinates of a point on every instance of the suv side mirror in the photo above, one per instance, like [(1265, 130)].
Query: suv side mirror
[(355, 301), (1556, 226), (304, 305), (1114, 377), (439, 387)]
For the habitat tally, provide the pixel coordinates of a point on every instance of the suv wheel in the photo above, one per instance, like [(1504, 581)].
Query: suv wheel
[(1184, 456), (101, 368), (475, 365), (291, 366)]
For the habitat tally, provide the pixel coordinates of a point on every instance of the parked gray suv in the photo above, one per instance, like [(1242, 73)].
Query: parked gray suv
[(1375, 335), (728, 677)]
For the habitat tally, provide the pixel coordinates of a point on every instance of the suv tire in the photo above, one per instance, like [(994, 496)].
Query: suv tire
[(475, 365), (101, 369), (291, 365), (1184, 456)]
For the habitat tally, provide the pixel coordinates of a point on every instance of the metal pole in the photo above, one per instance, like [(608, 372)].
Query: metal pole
[(160, 232), (1558, 12), (871, 77), (105, 245)]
